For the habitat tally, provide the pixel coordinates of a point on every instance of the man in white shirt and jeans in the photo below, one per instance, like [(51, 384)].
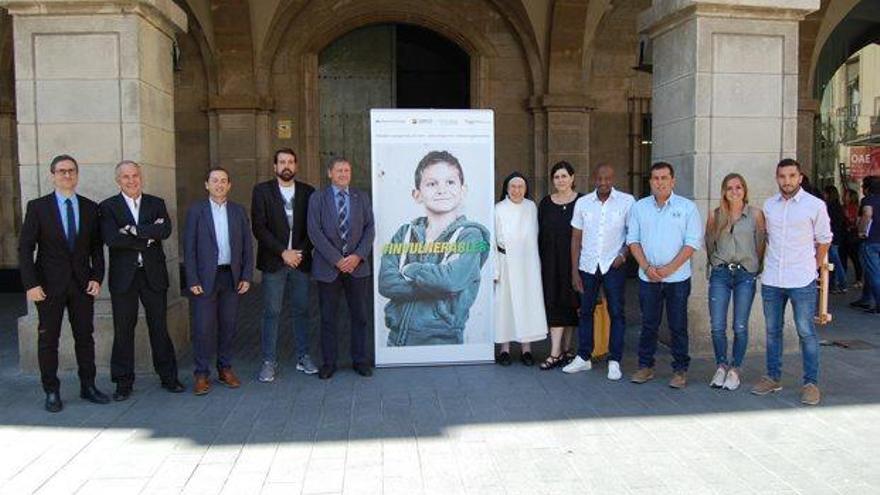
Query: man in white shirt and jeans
[(598, 256), (798, 238)]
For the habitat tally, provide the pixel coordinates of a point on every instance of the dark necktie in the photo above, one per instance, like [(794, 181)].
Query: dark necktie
[(71, 225), (342, 207)]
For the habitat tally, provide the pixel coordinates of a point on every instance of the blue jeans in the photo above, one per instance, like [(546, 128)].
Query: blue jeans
[(724, 282), (652, 296), (613, 283), (867, 286), (298, 298), (803, 302), (838, 276), (872, 269)]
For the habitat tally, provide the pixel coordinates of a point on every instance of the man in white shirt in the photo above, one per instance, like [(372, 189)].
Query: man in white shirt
[(798, 238), (133, 225), (598, 256)]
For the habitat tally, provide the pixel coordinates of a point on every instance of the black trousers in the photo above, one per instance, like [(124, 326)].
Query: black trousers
[(125, 316), (357, 291), (80, 312)]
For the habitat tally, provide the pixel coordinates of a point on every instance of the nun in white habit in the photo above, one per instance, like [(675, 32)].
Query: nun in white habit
[(519, 296)]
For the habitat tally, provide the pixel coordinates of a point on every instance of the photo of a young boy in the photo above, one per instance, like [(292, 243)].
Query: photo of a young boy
[(430, 270)]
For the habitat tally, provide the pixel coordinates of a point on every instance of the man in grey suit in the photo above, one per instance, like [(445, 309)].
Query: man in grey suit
[(219, 260), (340, 225)]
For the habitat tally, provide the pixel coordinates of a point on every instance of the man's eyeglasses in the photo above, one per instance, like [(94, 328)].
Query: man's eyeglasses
[(65, 171)]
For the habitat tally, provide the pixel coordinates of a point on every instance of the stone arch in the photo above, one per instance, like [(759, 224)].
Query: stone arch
[(620, 94), (833, 15), (505, 68), (195, 83)]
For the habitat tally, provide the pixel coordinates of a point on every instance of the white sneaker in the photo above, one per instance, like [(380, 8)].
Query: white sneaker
[(578, 364), (718, 379), (614, 370), (731, 382)]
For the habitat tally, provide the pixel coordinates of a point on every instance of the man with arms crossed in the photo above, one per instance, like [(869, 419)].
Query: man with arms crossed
[(134, 225)]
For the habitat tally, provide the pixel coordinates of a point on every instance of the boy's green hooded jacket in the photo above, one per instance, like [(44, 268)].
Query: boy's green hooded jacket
[(432, 286)]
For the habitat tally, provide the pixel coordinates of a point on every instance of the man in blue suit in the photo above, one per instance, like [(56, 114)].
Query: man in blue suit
[(219, 261), (340, 225)]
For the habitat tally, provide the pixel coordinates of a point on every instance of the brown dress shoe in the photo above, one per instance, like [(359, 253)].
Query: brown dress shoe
[(202, 385), (679, 380), (810, 394), (228, 378), (643, 375)]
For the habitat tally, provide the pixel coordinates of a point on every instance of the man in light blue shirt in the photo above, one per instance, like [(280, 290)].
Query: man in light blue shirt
[(663, 231), (62, 210)]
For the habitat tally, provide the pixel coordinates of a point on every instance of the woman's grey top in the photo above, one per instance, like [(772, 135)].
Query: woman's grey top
[(737, 243)]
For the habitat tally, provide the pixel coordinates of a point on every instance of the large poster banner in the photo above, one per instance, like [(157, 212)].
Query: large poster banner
[(433, 184)]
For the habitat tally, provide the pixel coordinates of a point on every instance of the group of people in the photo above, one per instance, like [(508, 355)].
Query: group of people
[(301, 234), (571, 245), (551, 262)]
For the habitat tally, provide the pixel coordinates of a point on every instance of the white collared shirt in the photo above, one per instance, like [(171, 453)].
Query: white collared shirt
[(794, 227), (221, 232), (134, 206), (603, 227)]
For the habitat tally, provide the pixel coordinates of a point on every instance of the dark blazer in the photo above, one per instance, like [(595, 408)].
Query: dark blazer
[(324, 233), (200, 245), (56, 265), (269, 223), (124, 248)]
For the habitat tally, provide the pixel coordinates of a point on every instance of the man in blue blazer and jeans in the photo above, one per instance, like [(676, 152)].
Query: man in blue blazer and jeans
[(219, 262), (340, 225)]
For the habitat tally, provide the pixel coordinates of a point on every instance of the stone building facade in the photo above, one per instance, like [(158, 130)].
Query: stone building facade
[(181, 85)]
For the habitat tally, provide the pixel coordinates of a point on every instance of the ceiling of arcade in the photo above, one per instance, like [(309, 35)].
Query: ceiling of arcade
[(240, 38)]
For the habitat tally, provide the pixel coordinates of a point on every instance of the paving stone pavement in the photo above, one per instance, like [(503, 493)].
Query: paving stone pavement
[(477, 429)]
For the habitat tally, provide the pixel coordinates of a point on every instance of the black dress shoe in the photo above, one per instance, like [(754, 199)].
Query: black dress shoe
[(174, 387), (92, 394), (363, 369), (860, 304), (122, 393), (53, 402), (504, 359), (326, 372), (527, 359), (873, 311)]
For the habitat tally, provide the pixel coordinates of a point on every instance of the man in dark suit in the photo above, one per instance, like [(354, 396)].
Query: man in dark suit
[(63, 228), (134, 225), (342, 231), (278, 212), (219, 261)]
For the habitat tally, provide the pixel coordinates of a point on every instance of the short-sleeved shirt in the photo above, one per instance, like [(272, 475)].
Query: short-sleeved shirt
[(603, 227), (873, 201), (662, 231)]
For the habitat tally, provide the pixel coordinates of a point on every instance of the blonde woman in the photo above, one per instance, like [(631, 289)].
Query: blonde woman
[(735, 242)]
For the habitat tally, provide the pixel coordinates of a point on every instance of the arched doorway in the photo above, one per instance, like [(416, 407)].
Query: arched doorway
[(384, 66), (847, 84)]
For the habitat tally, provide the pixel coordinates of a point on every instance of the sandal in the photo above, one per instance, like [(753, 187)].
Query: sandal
[(527, 359), (551, 362)]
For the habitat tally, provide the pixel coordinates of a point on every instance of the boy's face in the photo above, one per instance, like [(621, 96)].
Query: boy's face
[(440, 190)]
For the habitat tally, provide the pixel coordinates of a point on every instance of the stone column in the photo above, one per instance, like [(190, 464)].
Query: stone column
[(94, 79), (566, 120), (725, 99)]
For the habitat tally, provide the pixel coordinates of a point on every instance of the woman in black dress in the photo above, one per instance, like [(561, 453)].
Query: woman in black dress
[(554, 244)]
